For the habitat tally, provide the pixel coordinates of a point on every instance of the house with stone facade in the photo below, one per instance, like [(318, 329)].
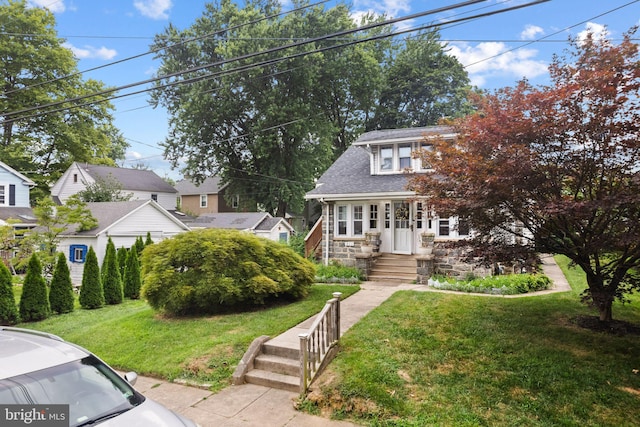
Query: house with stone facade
[(368, 212)]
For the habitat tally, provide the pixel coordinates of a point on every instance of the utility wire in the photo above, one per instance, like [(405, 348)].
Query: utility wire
[(550, 35), (268, 51), (140, 55)]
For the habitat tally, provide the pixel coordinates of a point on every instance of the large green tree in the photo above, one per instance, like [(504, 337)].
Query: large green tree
[(273, 126), (556, 168), (423, 84), (39, 70)]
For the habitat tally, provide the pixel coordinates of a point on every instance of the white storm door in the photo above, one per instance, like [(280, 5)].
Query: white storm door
[(402, 233)]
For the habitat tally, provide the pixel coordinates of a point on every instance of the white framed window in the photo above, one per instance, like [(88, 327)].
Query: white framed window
[(423, 163), (386, 158), (154, 197), (203, 200), (443, 227), (358, 216), (235, 202), (341, 220), (404, 156), (3, 194), (373, 217)]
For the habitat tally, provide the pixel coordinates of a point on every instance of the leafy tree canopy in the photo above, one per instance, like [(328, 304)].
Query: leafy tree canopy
[(561, 160), (39, 71), (270, 123), (53, 220), (106, 189)]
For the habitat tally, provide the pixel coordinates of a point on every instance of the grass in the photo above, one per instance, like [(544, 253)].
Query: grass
[(426, 358), (131, 336)]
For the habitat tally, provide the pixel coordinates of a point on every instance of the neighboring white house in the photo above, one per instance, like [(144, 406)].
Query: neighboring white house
[(261, 224), (140, 184), (123, 222)]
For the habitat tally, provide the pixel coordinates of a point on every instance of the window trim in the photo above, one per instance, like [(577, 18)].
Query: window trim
[(203, 198), (73, 252)]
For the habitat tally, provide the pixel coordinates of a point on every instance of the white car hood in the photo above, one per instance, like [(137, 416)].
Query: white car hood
[(148, 414)]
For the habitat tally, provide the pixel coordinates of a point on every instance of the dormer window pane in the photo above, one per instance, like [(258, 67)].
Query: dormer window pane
[(386, 158), (404, 153)]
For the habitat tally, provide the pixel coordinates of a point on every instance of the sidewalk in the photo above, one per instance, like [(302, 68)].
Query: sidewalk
[(250, 405)]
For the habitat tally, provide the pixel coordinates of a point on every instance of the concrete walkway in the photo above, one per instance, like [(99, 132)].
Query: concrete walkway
[(251, 405)]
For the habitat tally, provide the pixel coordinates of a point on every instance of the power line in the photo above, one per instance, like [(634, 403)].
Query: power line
[(267, 62), (149, 52), (552, 34)]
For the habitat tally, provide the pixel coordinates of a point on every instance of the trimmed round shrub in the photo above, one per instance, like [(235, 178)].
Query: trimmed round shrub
[(8, 308), (212, 271), (34, 302), (61, 292), (91, 292)]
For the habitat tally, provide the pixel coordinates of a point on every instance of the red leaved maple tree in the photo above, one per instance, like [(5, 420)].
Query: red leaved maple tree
[(562, 161)]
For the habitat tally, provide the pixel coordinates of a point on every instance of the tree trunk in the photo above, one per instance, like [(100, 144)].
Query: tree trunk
[(605, 310)]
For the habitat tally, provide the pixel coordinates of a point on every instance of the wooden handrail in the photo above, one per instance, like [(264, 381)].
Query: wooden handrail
[(313, 238), (323, 334)]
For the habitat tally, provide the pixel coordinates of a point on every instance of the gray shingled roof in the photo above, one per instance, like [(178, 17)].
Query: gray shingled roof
[(130, 179), (106, 213), (24, 215), (210, 185), (351, 174), (268, 224), (401, 134), (233, 220)]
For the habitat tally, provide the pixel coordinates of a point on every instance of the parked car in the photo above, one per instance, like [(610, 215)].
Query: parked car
[(37, 368)]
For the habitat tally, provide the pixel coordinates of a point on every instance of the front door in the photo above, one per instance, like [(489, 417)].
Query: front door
[(402, 232)]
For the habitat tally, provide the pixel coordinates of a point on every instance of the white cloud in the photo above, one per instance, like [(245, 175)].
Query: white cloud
[(530, 32), (391, 8), (55, 6), (154, 9), (492, 59), (90, 52), (599, 32)]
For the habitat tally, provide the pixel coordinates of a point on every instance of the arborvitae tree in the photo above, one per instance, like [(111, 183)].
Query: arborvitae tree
[(61, 293), (111, 280), (34, 302), (122, 260), (132, 280), (139, 244), (148, 241), (91, 293), (8, 309)]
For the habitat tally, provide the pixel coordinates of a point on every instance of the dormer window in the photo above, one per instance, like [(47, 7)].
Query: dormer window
[(386, 159), (404, 154)]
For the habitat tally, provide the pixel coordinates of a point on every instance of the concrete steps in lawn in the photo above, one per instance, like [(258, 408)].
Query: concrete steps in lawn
[(394, 268)]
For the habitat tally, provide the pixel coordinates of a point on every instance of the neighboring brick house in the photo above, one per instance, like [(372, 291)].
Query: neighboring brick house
[(140, 184), (204, 198)]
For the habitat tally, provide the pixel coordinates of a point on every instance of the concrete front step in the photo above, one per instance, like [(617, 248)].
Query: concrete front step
[(273, 380), (277, 364), (286, 349)]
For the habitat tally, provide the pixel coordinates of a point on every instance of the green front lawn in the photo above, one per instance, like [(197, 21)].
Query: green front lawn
[(426, 358), (131, 336)]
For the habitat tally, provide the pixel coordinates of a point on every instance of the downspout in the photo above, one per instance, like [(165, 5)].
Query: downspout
[(326, 240)]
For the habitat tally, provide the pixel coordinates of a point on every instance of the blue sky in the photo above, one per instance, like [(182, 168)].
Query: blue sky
[(497, 50)]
